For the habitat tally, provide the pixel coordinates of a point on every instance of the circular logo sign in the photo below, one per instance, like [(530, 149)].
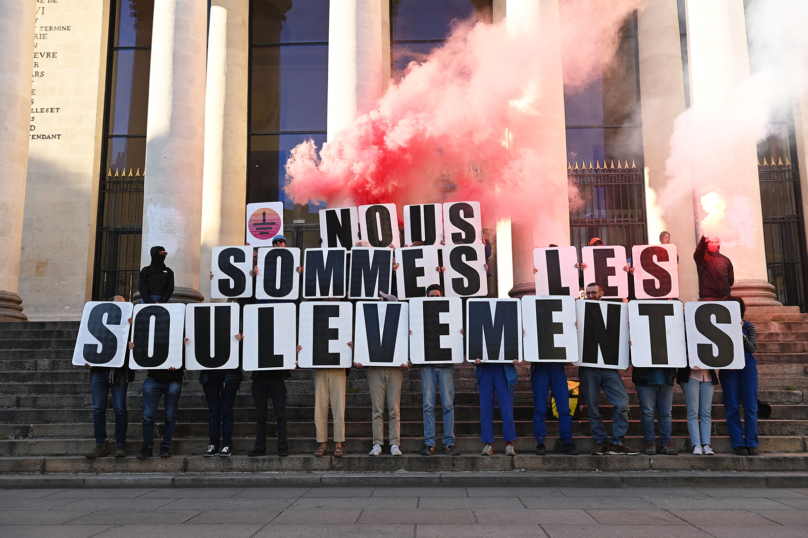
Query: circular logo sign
[(265, 223)]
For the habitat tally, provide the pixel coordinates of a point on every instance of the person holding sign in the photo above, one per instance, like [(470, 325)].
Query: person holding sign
[(698, 386), (592, 381), (500, 379), (544, 376), (716, 274), (156, 282), (741, 387), (655, 392), (220, 387)]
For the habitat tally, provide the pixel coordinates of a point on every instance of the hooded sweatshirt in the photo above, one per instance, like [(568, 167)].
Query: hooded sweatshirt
[(716, 275), (156, 278)]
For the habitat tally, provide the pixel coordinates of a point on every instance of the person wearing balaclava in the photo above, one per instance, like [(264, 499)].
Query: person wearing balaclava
[(156, 283)]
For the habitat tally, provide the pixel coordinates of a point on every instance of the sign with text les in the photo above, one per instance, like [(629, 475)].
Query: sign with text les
[(436, 324), (550, 334), (103, 334), (465, 271), (604, 266), (656, 272), (494, 330), (556, 273), (211, 331), (657, 330), (339, 227), (424, 223), (277, 274), (381, 333), (714, 335), (462, 224), (325, 330), (602, 334), (371, 272), (270, 332), (324, 273), (378, 225), (231, 268), (417, 270), (157, 331)]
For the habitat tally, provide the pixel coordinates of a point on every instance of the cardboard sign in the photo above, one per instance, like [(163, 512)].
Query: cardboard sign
[(714, 335), (604, 266), (656, 271), (211, 331), (436, 324), (465, 271), (264, 222), (231, 268), (462, 224), (371, 272), (270, 332), (277, 274), (417, 270), (339, 227), (494, 330), (556, 272), (157, 332), (550, 333), (657, 330), (325, 330), (381, 337), (602, 334), (324, 273), (378, 225), (103, 334), (424, 223)]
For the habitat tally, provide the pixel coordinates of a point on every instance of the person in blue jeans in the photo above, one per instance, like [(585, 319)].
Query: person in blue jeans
[(221, 387), (741, 387), (500, 379), (160, 383), (156, 281), (543, 377), (655, 392), (698, 386)]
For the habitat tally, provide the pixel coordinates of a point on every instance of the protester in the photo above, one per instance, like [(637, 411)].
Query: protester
[(433, 378), (741, 387), (329, 388), (156, 282), (716, 275), (220, 387), (543, 377), (655, 392), (665, 238), (500, 379), (104, 381), (592, 381), (279, 241), (698, 386)]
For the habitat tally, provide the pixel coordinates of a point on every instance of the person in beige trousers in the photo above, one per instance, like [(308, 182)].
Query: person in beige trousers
[(329, 388)]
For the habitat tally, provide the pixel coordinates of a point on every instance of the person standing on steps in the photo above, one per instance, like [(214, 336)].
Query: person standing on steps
[(500, 379), (220, 387), (329, 389), (716, 274), (741, 387), (156, 282), (104, 381), (698, 386), (592, 381), (655, 392)]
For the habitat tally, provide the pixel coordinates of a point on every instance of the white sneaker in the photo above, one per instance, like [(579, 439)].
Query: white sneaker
[(377, 451), (707, 450), (488, 450), (509, 450), (697, 450), (394, 451)]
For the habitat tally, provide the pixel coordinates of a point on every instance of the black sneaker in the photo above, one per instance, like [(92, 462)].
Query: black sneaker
[(428, 451), (212, 451), (740, 451), (225, 453), (145, 453), (256, 453), (569, 449), (450, 450), (282, 453), (752, 451), (601, 450), (165, 452), (622, 450), (541, 450)]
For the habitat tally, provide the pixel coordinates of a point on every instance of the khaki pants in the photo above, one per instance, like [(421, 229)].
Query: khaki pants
[(384, 385), (329, 387)]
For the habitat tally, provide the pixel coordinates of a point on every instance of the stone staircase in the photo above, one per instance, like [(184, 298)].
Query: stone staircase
[(46, 417)]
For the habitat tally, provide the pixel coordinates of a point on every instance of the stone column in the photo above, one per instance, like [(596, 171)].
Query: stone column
[(663, 99), (17, 20), (358, 33), (172, 200), (224, 191), (719, 61), (554, 227), (800, 104)]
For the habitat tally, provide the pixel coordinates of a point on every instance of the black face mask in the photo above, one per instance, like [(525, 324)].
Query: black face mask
[(157, 258)]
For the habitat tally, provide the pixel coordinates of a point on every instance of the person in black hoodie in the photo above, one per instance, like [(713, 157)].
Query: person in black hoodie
[(156, 282)]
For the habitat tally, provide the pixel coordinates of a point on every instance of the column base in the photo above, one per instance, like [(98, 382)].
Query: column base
[(520, 290), (180, 295), (11, 307), (756, 293)]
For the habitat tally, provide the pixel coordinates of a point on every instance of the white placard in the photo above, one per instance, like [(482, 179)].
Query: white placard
[(370, 272), (211, 330), (339, 227), (550, 333), (556, 273), (424, 223), (657, 330), (417, 270), (462, 223), (278, 278), (436, 324), (494, 330), (714, 335), (157, 332), (264, 222), (381, 337), (656, 271), (103, 334), (231, 268), (605, 266), (602, 334), (465, 274), (325, 330), (270, 337), (378, 225), (324, 273)]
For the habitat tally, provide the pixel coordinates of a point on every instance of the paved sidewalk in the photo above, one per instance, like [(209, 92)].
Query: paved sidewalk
[(440, 512)]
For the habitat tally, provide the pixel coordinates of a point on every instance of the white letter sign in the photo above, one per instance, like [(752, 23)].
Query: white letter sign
[(424, 223), (436, 324), (462, 224), (325, 330), (157, 334), (494, 330), (231, 268), (550, 334), (381, 333), (656, 272), (371, 272), (417, 270), (211, 331), (277, 274), (339, 227), (657, 330), (714, 335), (378, 225), (465, 271), (270, 332), (602, 334), (324, 273), (103, 335), (604, 266), (556, 272)]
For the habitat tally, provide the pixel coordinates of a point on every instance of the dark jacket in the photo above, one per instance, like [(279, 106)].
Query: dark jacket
[(642, 376), (683, 376), (167, 376), (716, 275), (156, 278)]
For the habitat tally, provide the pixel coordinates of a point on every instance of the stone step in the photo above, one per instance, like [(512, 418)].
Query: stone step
[(781, 347), (37, 354), (781, 336), (59, 334), (781, 358), (23, 343), (763, 317), (784, 326), (39, 325)]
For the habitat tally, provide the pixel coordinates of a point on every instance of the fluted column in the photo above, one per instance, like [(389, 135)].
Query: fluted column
[(172, 200), (224, 190), (17, 20), (719, 62), (663, 100)]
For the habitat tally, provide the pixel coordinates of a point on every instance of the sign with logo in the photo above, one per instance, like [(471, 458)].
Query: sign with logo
[(264, 221)]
